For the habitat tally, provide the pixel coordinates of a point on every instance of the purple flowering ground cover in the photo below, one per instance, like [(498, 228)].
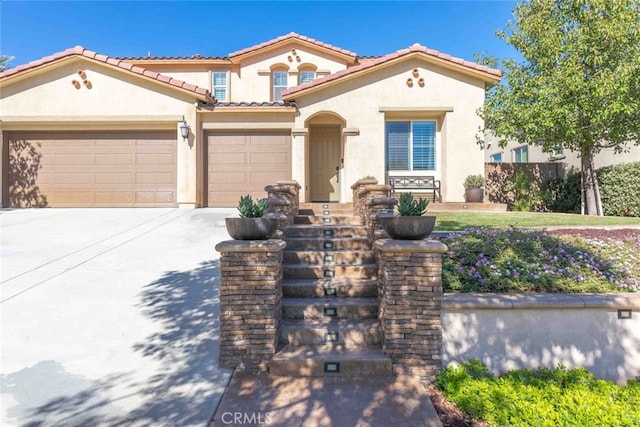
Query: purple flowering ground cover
[(523, 260)]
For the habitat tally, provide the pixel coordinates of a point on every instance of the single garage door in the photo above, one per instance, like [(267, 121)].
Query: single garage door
[(91, 169), (244, 163)]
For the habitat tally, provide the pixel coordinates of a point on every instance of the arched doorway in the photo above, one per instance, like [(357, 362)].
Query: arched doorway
[(325, 157)]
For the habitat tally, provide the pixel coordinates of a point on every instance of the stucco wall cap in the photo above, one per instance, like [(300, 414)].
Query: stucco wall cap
[(230, 246), (465, 301), (425, 245)]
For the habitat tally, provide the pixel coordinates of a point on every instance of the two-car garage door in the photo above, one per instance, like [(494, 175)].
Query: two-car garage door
[(78, 169), (242, 163)]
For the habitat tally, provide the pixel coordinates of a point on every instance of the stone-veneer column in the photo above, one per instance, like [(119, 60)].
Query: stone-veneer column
[(410, 292), (250, 301)]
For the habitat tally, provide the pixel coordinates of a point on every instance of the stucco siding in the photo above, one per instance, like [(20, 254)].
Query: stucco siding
[(360, 102), (109, 93), (253, 82)]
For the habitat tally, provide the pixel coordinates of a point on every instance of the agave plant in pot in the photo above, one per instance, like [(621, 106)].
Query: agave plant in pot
[(410, 223), (251, 225)]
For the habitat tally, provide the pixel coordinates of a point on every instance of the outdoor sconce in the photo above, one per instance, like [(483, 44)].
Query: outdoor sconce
[(184, 130)]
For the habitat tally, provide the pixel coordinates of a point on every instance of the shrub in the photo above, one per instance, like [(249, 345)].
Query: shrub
[(473, 181), (249, 209), (515, 260), (563, 194), (620, 189), (407, 206), (542, 397), (526, 194)]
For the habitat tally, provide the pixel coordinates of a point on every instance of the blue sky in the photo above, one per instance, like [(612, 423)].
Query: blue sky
[(33, 29)]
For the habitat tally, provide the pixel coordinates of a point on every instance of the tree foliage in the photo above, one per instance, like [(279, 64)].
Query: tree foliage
[(4, 62), (579, 84)]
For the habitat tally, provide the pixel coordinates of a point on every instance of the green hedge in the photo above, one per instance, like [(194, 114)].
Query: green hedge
[(620, 189), (541, 397)]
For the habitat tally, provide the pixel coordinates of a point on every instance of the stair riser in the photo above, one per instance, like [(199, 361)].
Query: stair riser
[(318, 312), (318, 244), (338, 231), (315, 368), (333, 219), (329, 257), (362, 337), (341, 291), (367, 271)]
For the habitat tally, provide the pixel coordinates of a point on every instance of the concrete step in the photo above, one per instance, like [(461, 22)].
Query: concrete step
[(326, 231), (326, 308), (328, 243), (330, 361), (328, 257), (329, 271), (326, 205), (327, 219), (399, 401), (350, 333), (341, 287)]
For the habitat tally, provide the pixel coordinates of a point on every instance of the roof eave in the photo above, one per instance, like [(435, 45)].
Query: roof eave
[(243, 56), (489, 78)]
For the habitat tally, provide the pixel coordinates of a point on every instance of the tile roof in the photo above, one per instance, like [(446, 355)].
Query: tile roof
[(81, 51), (292, 36), (375, 61), (193, 57), (250, 104)]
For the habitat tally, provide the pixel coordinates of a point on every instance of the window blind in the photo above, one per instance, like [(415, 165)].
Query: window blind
[(397, 136), (424, 146)]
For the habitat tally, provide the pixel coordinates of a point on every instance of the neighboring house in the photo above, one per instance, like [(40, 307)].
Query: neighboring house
[(83, 129), (515, 152)]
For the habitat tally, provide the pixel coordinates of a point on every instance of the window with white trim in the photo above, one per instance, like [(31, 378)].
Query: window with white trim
[(219, 85), (496, 158), (411, 145), (521, 154), (279, 84), (307, 76)]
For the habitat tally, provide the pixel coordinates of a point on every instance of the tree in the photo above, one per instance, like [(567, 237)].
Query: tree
[(4, 62), (578, 86)]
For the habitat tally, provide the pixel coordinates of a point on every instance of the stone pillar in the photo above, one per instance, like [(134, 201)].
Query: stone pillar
[(250, 302), (410, 292), (277, 209), (358, 193), (287, 190), (377, 207)]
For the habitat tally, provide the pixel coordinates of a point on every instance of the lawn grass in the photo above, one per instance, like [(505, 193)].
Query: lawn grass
[(457, 221)]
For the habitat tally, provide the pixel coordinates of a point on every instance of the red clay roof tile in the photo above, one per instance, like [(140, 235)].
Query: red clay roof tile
[(79, 50)]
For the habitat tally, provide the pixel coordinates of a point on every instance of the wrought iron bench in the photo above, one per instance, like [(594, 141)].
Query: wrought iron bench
[(423, 184)]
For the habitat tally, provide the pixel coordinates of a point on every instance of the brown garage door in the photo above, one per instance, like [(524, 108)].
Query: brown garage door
[(243, 163), (91, 169)]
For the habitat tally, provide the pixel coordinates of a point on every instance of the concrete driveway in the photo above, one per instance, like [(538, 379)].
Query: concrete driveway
[(110, 317)]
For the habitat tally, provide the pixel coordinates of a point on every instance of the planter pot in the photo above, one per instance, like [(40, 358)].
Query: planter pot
[(251, 228), (408, 227), (474, 195)]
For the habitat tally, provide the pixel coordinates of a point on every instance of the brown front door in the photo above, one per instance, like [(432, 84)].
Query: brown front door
[(324, 160), (91, 169)]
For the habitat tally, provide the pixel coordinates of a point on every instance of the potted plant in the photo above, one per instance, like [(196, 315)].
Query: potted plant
[(251, 225), (474, 188), (410, 223)]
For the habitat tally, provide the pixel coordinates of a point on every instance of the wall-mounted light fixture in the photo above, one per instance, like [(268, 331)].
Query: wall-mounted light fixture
[(184, 130)]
